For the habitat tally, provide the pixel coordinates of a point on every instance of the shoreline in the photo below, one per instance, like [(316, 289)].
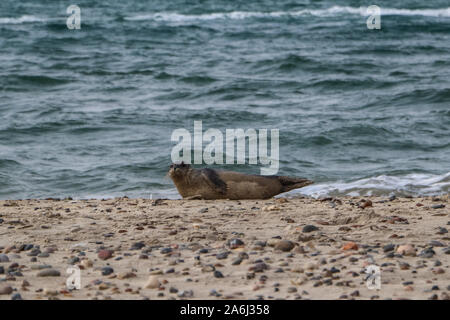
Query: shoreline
[(281, 248), (407, 185)]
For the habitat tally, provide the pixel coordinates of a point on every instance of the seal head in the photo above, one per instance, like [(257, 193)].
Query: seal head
[(179, 171)]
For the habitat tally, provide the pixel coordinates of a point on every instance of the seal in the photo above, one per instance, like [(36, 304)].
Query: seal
[(209, 184)]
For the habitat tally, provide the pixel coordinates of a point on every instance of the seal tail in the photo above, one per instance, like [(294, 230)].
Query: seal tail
[(291, 183)]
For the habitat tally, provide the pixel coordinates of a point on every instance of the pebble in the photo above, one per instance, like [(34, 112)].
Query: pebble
[(4, 257), (284, 245), (43, 255), (261, 243), (186, 294), (26, 247), (297, 270), (355, 293), (105, 254), (309, 228), (270, 208), (438, 271), (214, 293), (406, 250), (243, 255), (438, 206), (166, 250), (86, 263), (404, 266), (6, 290), (73, 260), (350, 246), (236, 262), (272, 242), (435, 243), (310, 265), (50, 292), (156, 271), (107, 271), (218, 274), (365, 204), (389, 247), (152, 283), (137, 246), (222, 255), (126, 275), (173, 290), (16, 296), (208, 268), (34, 252), (427, 253), (334, 270), (259, 267), (236, 243), (49, 273), (103, 286)]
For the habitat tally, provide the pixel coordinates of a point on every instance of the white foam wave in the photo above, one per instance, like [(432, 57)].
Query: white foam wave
[(22, 19), (335, 10), (411, 184)]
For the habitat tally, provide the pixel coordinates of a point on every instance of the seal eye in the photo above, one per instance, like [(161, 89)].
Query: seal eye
[(171, 166)]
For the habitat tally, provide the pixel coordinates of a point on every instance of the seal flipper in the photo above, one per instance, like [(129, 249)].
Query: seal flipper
[(291, 183), (214, 181)]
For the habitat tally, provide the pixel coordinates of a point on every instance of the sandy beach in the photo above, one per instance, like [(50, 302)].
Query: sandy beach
[(270, 249)]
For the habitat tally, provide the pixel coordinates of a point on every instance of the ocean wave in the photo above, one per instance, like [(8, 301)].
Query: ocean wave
[(22, 19), (332, 11), (414, 184)]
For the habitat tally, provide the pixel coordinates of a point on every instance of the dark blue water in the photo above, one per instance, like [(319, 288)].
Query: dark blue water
[(90, 112)]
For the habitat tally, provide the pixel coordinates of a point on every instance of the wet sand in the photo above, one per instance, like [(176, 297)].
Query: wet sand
[(271, 249)]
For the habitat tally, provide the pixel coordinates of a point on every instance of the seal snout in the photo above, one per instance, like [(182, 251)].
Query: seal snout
[(178, 169)]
